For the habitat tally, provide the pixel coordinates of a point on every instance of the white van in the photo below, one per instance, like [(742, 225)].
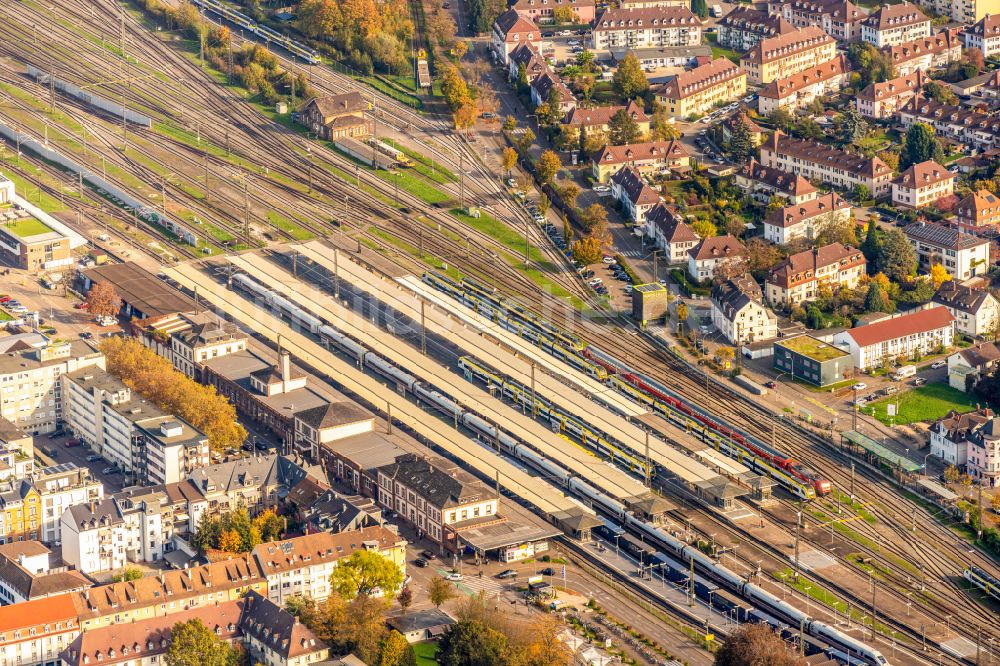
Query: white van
[(904, 371)]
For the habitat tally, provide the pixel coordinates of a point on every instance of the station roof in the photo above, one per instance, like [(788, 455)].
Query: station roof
[(887, 456), (521, 526), (140, 289), (936, 489)]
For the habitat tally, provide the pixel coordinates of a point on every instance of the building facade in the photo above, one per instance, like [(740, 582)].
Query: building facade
[(669, 233), (510, 30), (883, 100), (926, 53), (762, 183), (962, 254), (711, 253), (739, 314), (904, 336), (978, 210), (337, 116), (744, 27), (895, 24), (841, 19), (984, 34), (820, 163), (801, 276), (633, 194), (812, 360), (782, 56), (976, 311), (799, 90), (922, 185), (700, 90), (542, 11), (652, 27), (651, 157), (969, 128), (805, 220)]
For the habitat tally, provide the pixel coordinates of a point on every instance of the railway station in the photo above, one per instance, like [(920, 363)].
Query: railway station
[(874, 453)]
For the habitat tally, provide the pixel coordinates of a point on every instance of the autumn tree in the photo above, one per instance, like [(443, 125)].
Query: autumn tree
[(939, 275), (509, 124), (364, 572), (587, 250), (230, 542), (439, 590), (682, 311), (548, 166), (405, 598), (470, 643), (568, 193), (127, 574), (623, 128), (546, 648), (564, 14), (508, 159), (704, 228), (834, 229), (755, 645), (595, 218), (661, 126), (629, 81), (761, 255), (395, 650), (525, 139), (103, 300), (194, 644), (940, 92), (268, 525)]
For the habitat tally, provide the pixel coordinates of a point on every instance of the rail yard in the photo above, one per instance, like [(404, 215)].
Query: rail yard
[(397, 266)]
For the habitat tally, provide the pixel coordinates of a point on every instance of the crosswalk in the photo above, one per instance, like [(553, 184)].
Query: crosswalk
[(473, 585), (632, 253)]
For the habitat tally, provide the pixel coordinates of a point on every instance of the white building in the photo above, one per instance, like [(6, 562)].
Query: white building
[(172, 449), (984, 35), (711, 253), (883, 100), (738, 312), (650, 27), (950, 435), (94, 537), (636, 197), (906, 336), (926, 53), (802, 88), (922, 185), (984, 453), (976, 311), (60, 487), (189, 339), (510, 30), (963, 255), (323, 425), (669, 233), (805, 220), (800, 276), (895, 24), (33, 633)]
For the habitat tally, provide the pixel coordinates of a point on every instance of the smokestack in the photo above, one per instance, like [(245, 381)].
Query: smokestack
[(286, 369)]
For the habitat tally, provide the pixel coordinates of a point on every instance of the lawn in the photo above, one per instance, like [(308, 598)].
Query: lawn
[(924, 403), (4, 316), (426, 654), (28, 226), (720, 52)]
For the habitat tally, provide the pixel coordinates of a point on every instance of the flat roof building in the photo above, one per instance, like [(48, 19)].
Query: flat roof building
[(142, 294), (812, 360)]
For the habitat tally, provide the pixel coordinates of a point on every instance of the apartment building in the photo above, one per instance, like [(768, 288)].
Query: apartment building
[(800, 277), (651, 27), (841, 19), (595, 120), (922, 185), (806, 219), (528, 57), (762, 183), (301, 566), (962, 254), (436, 497), (541, 11), (547, 84), (172, 448), (780, 57), (799, 90), (644, 4), (188, 339), (984, 34), (94, 536), (976, 311), (651, 157), (962, 11), (633, 194), (31, 395), (959, 124), (926, 53), (983, 464), (883, 100), (668, 231), (26, 574), (337, 116), (978, 210), (510, 30), (60, 487), (907, 336), (711, 254), (321, 427), (891, 25), (950, 435), (33, 633), (744, 27), (739, 314), (823, 164), (699, 90)]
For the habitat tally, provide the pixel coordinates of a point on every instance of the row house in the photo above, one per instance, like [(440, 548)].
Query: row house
[(596, 119), (630, 190), (841, 19), (510, 30), (895, 24), (187, 339), (651, 157), (966, 127), (926, 53), (800, 276), (787, 54), (34, 633), (702, 89), (525, 56), (669, 233), (541, 11), (820, 163), (739, 314), (976, 311), (30, 507), (713, 254), (762, 183), (547, 84), (647, 4), (653, 27), (883, 100), (806, 219), (922, 185), (963, 255), (978, 210), (984, 35), (950, 434), (908, 336), (744, 27), (799, 90)]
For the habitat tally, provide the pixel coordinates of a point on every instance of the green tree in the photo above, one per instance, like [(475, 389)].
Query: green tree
[(194, 644), (700, 8), (439, 590), (782, 119), (623, 128), (543, 203), (861, 192), (585, 59), (522, 78), (363, 573), (268, 525), (870, 246), (875, 300), (207, 535), (853, 126), (832, 229), (471, 643), (939, 92), (896, 256), (127, 574), (920, 145), (741, 140), (629, 81), (548, 166), (555, 105), (396, 651), (661, 127)]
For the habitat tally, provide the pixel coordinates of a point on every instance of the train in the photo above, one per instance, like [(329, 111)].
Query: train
[(395, 154), (985, 581), (269, 36), (647, 532), (363, 153)]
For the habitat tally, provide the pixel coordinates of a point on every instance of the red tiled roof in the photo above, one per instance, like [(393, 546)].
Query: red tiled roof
[(646, 17), (652, 150), (695, 80), (718, 247), (788, 86), (785, 45), (37, 613), (895, 16), (899, 327)]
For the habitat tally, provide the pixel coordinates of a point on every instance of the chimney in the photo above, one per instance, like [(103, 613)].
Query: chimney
[(285, 363)]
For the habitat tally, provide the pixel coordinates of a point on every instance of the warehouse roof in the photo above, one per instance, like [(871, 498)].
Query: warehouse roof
[(141, 290)]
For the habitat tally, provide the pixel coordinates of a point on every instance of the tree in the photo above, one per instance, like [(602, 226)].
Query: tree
[(509, 124), (940, 93), (995, 501), (682, 311), (595, 218), (875, 300), (548, 166), (629, 81), (704, 228), (588, 250), (525, 140), (364, 572), (939, 275), (755, 645), (405, 598), (782, 119), (623, 128), (833, 229), (508, 159), (861, 193), (585, 59), (268, 525), (568, 193), (853, 126), (230, 542), (974, 57), (208, 533), (439, 590), (896, 256), (465, 116), (103, 300), (194, 644), (920, 145), (873, 65), (741, 141), (871, 243), (951, 474), (127, 574), (470, 643), (396, 651), (661, 127), (564, 14), (700, 7), (546, 648), (761, 255)]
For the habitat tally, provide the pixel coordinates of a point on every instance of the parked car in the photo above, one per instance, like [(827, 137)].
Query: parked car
[(938, 364), (70, 443), (771, 384), (427, 554), (93, 457), (860, 386), (919, 381), (454, 576), (420, 562), (547, 571), (565, 33), (507, 574), (109, 470), (86, 335), (889, 390), (5, 299)]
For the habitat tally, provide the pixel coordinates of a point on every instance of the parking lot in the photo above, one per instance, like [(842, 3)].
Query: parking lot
[(55, 307), (53, 451)]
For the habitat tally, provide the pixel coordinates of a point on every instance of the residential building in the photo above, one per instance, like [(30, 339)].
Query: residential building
[(698, 91), (30, 238), (962, 11), (172, 447), (668, 231), (984, 34), (436, 497), (187, 339), (547, 84), (978, 210), (780, 57), (644, 4), (321, 426), (841, 19), (636, 197), (926, 53), (812, 360), (25, 574), (762, 183), (967, 366), (652, 157), (739, 314), (301, 566), (823, 164), (963, 255), (337, 116), (800, 89), (711, 254), (60, 487), (33, 633), (805, 220), (727, 128), (883, 100), (983, 464), (658, 57), (273, 636), (922, 185), (967, 128), (541, 11), (895, 24), (94, 536), (422, 625), (596, 119), (510, 30), (976, 311), (801, 276), (31, 396), (909, 335), (950, 435), (525, 55), (744, 27), (651, 27)]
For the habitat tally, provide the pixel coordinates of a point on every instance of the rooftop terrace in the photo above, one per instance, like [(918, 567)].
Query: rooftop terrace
[(815, 349)]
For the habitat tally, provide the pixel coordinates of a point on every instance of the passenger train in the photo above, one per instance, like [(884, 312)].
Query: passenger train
[(985, 581), (262, 31)]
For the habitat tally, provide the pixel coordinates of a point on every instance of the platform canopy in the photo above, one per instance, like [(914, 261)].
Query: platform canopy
[(884, 455)]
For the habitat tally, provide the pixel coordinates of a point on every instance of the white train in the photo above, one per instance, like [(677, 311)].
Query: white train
[(279, 302)]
